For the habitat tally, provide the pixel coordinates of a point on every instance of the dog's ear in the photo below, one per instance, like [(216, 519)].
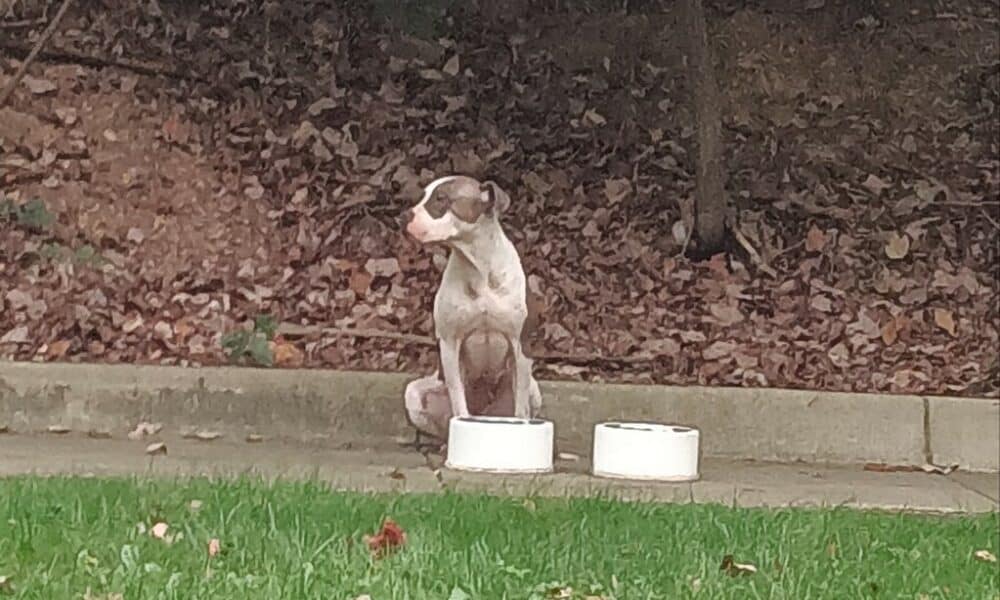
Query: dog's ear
[(495, 197)]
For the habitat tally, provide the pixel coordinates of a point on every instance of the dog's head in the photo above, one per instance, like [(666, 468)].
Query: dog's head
[(454, 207)]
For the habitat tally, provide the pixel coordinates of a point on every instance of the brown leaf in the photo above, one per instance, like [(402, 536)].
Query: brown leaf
[(890, 331), (821, 303), (944, 319), (451, 67), (359, 282), (214, 547), (875, 184), (815, 239), (615, 190), (142, 429), (389, 538), (733, 568), (718, 350), (897, 246), (382, 267), (726, 313), (287, 355), (156, 448), (985, 556), (38, 86), (58, 349)]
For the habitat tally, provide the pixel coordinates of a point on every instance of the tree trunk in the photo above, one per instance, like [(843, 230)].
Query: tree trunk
[(711, 207)]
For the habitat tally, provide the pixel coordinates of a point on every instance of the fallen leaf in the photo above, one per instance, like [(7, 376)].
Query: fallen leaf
[(821, 303), (875, 184), (944, 319), (132, 324), (938, 469), (679, 231), (156, 448), (287, 354), (815, 239), (886, 468), (57, 349), (898, 246), (397, 474), (451, 67), (58, 429), (159, 530), (195, 505), (359, 282), (567, 370), (254, 438), (143, 429), (321, 105), (726, 313), (890, 331), (718, 350), (985, 556), (390, 537), (616, 189), (382, 267), (204, 435), (39, 86), (214, 546), (18, 335), (733, 568)]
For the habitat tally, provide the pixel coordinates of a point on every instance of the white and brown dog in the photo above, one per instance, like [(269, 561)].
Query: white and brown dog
[(480, 310)]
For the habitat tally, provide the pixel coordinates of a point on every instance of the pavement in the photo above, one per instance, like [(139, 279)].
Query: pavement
[(338, 407), (385, 465)]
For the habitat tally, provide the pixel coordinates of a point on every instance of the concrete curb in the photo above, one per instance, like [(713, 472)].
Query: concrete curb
[(304, 405)]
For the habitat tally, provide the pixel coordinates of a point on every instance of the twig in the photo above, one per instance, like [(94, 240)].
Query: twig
[(992, 221), (290, 329), (46, 35), (754, 255), (21, 24), (561, 357), (97, 62)]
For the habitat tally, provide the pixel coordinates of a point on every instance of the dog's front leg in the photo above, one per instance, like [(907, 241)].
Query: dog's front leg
[(522, 383), (451, 369)]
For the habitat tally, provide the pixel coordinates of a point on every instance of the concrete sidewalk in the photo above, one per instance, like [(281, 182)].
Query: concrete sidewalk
[(387, 467), (342, 407)]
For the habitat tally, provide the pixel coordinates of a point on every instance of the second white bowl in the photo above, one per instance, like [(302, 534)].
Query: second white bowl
[(648, 451)]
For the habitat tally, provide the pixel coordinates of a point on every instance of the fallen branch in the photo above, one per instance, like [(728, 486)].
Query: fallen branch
[(754, 255), (46, 35), (293, 330), (22, 24), (96, 62)]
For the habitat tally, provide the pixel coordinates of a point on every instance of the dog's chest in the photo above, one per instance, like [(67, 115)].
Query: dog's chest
[(494, 304)]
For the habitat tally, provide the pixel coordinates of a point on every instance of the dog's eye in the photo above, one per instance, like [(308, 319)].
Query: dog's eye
[(436, 207)]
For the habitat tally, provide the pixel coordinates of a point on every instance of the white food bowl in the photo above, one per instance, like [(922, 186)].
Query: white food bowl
[(647, 451), (500, 445)]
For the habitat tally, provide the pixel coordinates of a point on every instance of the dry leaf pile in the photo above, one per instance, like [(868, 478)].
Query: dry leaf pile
[(263, 169)]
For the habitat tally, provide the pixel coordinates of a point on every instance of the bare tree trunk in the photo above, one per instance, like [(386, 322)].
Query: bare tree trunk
[(711, 207)]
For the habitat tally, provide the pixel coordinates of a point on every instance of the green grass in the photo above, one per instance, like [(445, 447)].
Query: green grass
[(59, 537)]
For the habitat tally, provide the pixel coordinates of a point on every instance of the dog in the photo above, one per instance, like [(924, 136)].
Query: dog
[(480, 310)]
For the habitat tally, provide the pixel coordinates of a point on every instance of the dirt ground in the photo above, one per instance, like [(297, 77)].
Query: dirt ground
[(207, 163)]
